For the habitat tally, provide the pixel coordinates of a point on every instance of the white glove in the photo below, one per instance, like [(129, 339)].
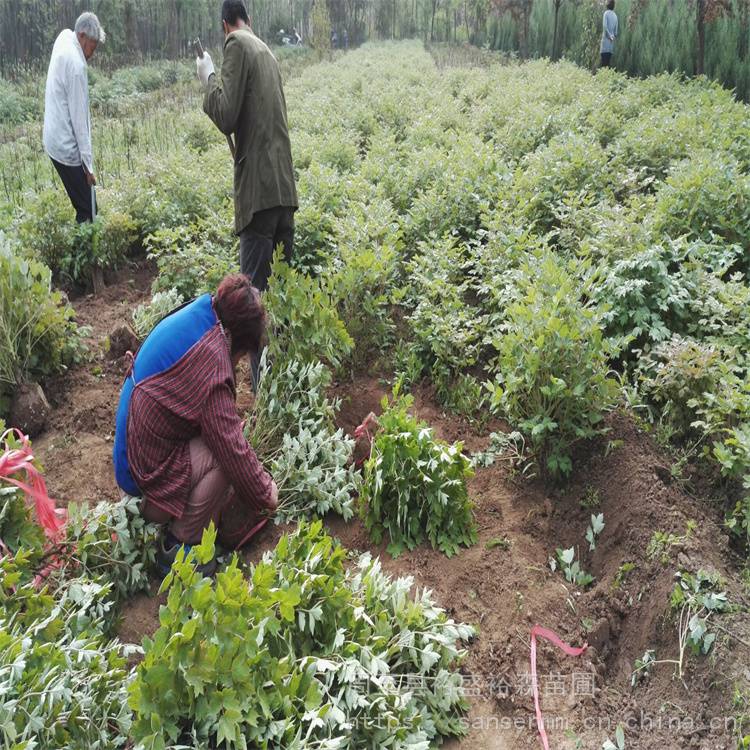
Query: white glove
[(205, 68)]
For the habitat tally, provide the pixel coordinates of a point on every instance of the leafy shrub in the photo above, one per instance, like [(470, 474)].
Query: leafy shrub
[(46, 228), (166, 193), (103, 243), (720, 315), (47, 231), (654, 140), (119, 236), (292, 430), (415, 486), (37, 334), (112, 543), (646, 296), (724, 415), (362, 275), (453, 203), (16, 108), (131, 83), (408, 367), (568, 170), (694, 600), (303, 317), (192, 259), (74, 685), (704, 197), (446, 328), (674, 377), (147, 315), (552, 381), (63, 681), (290, 661), (463, 394), (323, 197)]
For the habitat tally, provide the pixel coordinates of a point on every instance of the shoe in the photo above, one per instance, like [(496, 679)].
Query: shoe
[(167, 551)]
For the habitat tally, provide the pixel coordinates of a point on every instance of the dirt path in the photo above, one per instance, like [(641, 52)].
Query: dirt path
[(76, 449), (505, 588)]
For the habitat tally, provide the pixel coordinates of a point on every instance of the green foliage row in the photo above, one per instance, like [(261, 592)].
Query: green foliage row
[(306, 653)]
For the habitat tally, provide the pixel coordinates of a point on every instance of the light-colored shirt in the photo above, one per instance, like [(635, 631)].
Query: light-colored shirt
[(67, 122), (609, 31)]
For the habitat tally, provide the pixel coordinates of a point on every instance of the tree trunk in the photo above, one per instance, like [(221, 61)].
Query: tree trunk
[(432, 22), (97, 279), (554, 32), (523, 34), (744, 29), (700, 62)]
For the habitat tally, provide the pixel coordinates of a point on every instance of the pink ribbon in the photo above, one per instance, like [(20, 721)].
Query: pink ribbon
[(15, 460), (537, 630)]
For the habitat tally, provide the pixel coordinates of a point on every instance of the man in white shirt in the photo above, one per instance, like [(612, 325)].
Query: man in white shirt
[(67, 123)]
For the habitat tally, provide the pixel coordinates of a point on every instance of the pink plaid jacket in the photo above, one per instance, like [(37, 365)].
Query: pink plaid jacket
[(195, 397)]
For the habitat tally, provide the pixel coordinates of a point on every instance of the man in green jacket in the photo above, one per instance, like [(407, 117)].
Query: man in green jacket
[(248, 102)]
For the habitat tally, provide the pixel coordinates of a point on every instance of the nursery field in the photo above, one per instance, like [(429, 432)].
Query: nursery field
[(507, 369)]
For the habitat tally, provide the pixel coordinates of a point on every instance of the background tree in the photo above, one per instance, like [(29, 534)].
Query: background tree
[(706, 11), (520, 11), (321, 28), (556, 6)]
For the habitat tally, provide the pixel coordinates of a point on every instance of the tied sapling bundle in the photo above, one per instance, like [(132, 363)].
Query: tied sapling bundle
[(415, 486), (292, 431)]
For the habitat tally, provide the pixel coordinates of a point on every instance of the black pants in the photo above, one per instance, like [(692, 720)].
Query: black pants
[(258, 241), (78, 190), (606, 59)]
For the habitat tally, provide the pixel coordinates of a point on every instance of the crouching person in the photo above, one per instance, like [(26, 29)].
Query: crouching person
[(179, 441)]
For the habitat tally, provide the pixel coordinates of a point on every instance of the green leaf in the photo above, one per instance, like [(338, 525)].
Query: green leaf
[(204, 552)]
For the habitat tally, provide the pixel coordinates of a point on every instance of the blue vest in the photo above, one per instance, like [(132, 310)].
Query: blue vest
[(166, 345)]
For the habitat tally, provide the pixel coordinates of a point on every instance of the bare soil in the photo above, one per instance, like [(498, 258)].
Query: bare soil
[(504, 589)]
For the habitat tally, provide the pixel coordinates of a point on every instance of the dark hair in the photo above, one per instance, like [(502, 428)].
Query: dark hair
[(610, 4), (233, 10), (240, 310)]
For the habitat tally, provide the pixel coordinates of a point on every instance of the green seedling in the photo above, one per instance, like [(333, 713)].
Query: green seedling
[(590, 498), (499, 541), (594, 530)]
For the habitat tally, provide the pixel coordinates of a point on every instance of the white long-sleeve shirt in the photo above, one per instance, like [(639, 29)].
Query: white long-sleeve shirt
[(67, 122)]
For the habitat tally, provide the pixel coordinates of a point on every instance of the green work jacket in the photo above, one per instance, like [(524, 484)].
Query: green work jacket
[(248, 102)]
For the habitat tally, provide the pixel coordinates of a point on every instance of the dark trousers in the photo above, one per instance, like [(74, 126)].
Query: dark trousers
[(78, 190), (258, 241), (606, 59)]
